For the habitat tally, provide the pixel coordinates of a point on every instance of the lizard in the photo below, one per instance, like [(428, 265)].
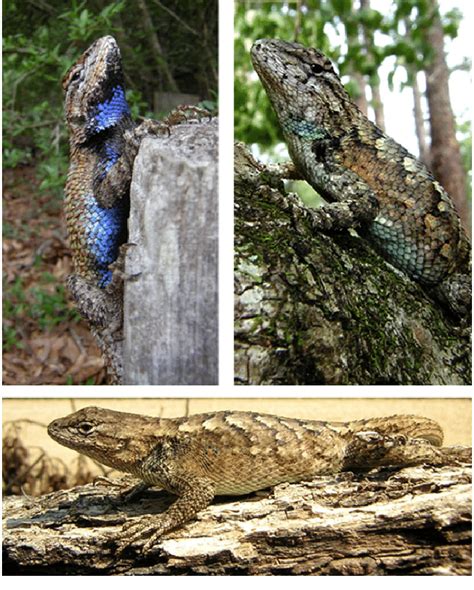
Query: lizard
[(104, 142), (234, 453), (370, 182)]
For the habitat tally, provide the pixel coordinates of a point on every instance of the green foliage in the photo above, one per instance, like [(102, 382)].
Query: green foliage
[(50, 308), (42, 42), (255, 20), (335, 27), (35, 60), (45, 304)]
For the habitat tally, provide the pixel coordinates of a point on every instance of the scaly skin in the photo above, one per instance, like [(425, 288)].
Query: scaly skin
[(104, 142), (371, 181), (234, 453), (98, 118)]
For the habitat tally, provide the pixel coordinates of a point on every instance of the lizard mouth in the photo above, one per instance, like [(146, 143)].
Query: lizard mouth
[(270, 67)]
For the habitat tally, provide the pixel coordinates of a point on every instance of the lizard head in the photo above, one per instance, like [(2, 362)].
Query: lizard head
[(116, 439), (305, 91), (95, 91)]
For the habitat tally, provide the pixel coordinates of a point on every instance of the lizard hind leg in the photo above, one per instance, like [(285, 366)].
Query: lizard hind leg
[(455, 293), (100, 307), (411, 426), (394, 441), (180, 114), (370, 449)]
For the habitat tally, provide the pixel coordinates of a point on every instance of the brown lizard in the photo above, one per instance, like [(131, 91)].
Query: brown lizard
[(234, 453)]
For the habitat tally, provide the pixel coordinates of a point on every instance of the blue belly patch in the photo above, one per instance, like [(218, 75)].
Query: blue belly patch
[(104, 233)]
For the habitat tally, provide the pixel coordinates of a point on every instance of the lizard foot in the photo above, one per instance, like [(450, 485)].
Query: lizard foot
[(180, 114), (134, 532)]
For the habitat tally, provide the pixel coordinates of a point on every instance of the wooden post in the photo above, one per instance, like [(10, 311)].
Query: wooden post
[(171, 313)]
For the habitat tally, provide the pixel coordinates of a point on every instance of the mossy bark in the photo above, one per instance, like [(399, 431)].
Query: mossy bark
[(314, 309)]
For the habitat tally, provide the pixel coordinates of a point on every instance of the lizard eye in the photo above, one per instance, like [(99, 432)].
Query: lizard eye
[(72, 75), (85, 427), (317, 68)]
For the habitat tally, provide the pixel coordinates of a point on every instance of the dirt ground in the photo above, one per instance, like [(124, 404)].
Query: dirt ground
[(453, 414)]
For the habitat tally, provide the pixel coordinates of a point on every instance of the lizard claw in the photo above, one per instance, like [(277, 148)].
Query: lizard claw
[(133, 533)]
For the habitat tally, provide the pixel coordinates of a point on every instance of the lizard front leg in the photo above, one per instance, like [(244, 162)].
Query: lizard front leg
[(113, 184), (194, 494), (352, 202), (178, 466)]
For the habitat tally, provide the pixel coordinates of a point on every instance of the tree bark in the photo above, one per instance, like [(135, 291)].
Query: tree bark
[(170, 312), (445, 153), (420, 123), (415, 520), (328, 310)]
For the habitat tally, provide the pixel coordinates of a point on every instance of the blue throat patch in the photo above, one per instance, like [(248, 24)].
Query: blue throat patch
[(304, 129), (109, 112)]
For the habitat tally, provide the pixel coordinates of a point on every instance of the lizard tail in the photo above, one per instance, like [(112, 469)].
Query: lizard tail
[(411, 426)]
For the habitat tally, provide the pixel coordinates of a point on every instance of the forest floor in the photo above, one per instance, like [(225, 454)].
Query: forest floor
[(44, 340)]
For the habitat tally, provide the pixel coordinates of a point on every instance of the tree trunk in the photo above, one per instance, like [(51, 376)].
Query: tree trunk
[(420, 124), (328, 310), (171, 315), (378, 104), (361, 98), (445, 153), (415, 520)]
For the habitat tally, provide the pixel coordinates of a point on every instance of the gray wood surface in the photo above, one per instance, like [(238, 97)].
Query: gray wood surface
[(170, 313)]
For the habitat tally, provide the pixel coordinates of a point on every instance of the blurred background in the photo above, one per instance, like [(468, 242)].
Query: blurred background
[(34, 464), (406, 63), (169, 51)]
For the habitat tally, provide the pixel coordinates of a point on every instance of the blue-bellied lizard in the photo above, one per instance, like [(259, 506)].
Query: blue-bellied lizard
[(104, 142), (233, 453), (371, 182)]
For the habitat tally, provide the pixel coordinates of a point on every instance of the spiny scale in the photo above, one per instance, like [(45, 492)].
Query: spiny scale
[(94, 87), (238, 452)]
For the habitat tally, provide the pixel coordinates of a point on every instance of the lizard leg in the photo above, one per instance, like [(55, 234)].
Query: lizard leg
[(115, 185), (456, 292), (180, 114), (100, 307), (194, 495), (351, 202), (129, 488), (369, 449)]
